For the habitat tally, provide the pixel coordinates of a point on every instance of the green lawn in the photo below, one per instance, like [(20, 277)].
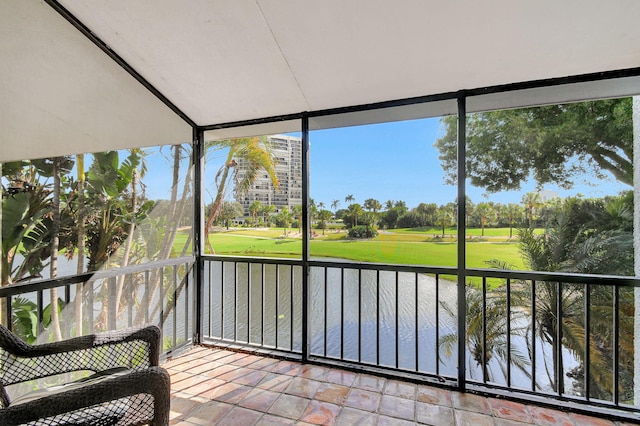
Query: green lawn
[(475, 232), (393, 248)]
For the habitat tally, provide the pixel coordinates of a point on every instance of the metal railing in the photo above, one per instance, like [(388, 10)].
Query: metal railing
[(160, 292), (577, 329), (254, 303), (397, 320), (403, 321)]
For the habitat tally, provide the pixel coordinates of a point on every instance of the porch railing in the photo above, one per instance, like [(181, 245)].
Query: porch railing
[(159, 292), (403, 321)]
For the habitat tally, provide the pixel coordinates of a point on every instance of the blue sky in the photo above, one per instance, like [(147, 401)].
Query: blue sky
[(397, 161), (388, 161)]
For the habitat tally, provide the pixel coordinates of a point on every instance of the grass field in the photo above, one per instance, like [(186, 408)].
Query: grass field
[(401, 247)]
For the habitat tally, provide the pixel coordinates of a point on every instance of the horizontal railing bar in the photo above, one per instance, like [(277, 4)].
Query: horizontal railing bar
[(45, 284), (337, 264), (249, 259), (565, 277), (579, 404), (235, 343), (385, 371)]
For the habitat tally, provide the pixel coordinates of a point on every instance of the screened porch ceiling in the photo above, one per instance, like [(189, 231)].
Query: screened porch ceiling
[(229, 61)]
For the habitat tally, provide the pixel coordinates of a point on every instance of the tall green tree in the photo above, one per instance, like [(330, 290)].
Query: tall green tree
[(583, 238), (444, 218), (230, 210), (285, 219), (531, 203), (324, 216), (296, 211), (552, 144), (372, 205), (486, 214), (256, 157), (254, 209), (512, 213), (267, 209), (355, 211), (486, 333)]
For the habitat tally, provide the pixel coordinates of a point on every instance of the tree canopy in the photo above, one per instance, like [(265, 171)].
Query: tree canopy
[(552, 144)]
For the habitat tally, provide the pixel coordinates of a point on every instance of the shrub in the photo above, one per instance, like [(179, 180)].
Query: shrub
[(363, 231)]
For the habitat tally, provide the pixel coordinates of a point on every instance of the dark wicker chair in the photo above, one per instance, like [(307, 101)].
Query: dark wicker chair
[(128, 387)]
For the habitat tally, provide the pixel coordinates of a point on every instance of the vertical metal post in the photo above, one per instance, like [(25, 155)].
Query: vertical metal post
[(559, 371), (8, 313), (397, 320), (276, 328), (291, 278), (533, 336), (416, 322), (262, 299), (325, 310), (359, 315), (461, 215), (616, 345), (377, 317), (249, 307), (198, 160), (484, 330), (341, 313), (175, 307), (437, 309), (306, 303), (587, 341), (508, 332)]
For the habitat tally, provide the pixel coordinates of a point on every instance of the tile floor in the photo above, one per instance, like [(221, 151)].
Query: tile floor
[(219, 387)]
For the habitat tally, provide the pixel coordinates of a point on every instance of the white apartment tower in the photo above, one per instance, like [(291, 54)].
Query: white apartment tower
[(287, 151)]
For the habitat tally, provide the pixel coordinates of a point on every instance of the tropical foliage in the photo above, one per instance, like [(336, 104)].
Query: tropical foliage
[(94, 220)]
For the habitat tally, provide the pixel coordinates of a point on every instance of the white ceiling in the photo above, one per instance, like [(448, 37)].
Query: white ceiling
[(222, 61), (61, 95)]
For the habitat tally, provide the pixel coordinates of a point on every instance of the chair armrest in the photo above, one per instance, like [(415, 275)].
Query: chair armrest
[(152, 381), (149, 334), (132, 348)]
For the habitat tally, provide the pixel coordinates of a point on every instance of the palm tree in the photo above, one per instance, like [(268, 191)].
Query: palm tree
[(113, 215), (562, 249), (487, 323), (55, 242), (443, 218), (324, 216), (335, 204), (296, 211), (254, 209), (81, 218), (531, 202), (255, 156), (372, 205), (487, 213), (285, 217), (177, 204), (355, 210), (514, 215), (267, 209), (349, 199)]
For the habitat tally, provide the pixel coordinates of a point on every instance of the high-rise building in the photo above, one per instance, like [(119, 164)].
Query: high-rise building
[(287, 151)]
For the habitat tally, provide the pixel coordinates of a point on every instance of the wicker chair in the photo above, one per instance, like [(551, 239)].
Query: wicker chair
[(128, 387)]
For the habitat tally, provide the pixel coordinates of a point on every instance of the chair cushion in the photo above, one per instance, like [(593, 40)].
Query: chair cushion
[(53, 390)]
